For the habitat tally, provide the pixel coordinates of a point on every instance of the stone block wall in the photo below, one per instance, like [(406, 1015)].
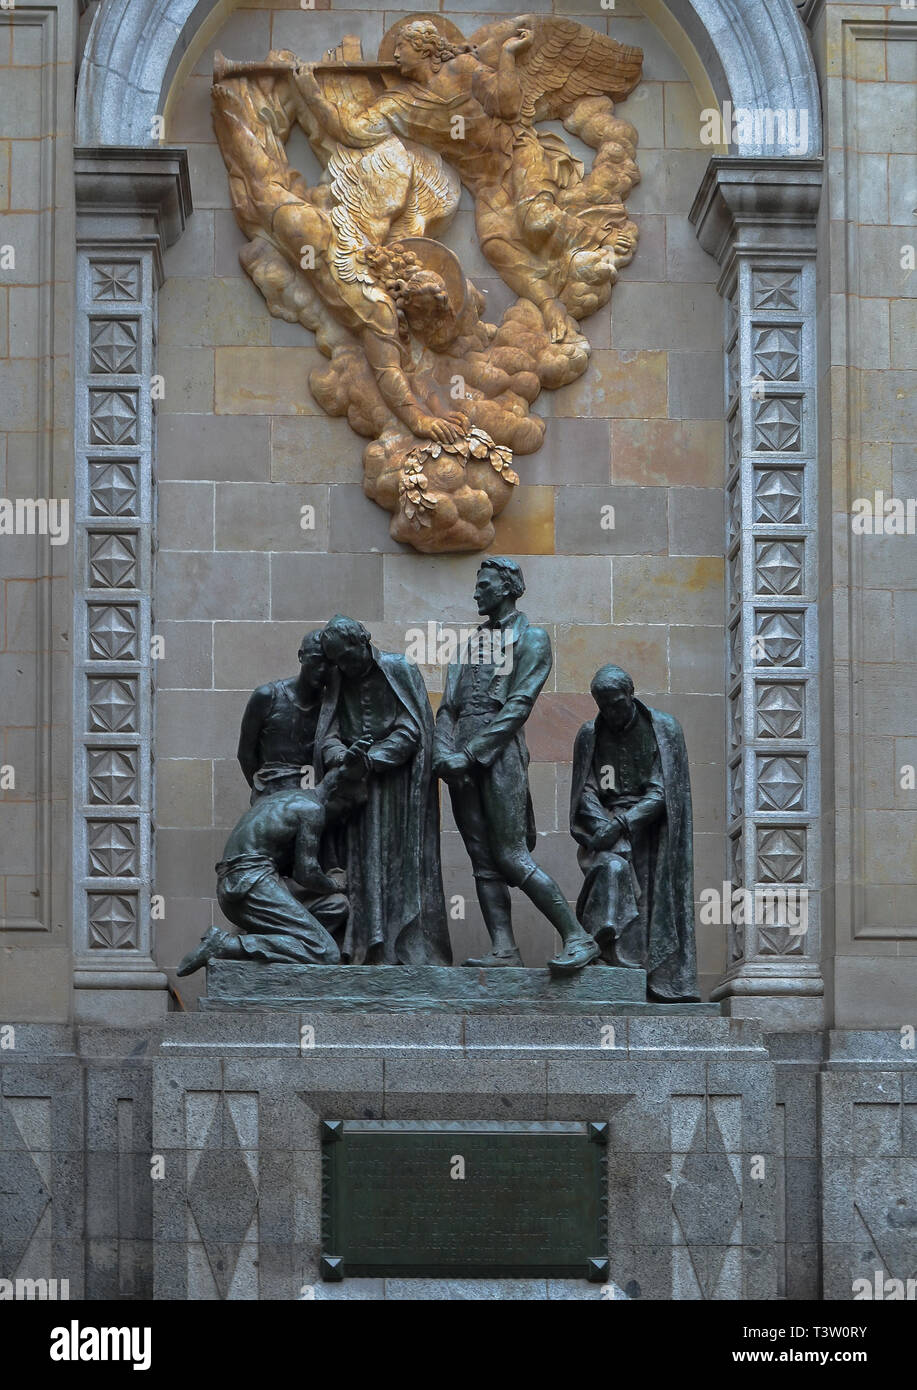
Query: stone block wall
[(36, 464), (243, 447), (867, 60)]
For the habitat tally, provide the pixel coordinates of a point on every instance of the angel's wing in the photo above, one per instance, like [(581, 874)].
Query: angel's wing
[(567, 61)]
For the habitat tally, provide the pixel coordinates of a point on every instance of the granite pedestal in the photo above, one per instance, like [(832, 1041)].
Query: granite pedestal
[(239, 1101), (243, 985)]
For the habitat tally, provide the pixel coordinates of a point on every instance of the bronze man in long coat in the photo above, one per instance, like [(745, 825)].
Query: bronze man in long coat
[(480, 751), (630, 813)]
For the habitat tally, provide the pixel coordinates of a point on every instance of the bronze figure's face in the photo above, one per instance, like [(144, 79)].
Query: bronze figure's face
[(490, 590), (616, 705), (350, 654)]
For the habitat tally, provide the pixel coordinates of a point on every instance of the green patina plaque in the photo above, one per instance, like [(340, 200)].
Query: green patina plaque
[(464, 1199)]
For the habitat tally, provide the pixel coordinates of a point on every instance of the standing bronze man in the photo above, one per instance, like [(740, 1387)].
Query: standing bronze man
[(479, 749), (277, 738), (390, 846)]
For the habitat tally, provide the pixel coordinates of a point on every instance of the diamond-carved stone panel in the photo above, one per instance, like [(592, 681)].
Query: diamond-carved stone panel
[(114, 345), (113, 416), (734, 437), (778, 425), (778, 496), (112, 921), (732, 371), (115, 281), (736, 861), (780, 638), (778, 566), (781, 854), (113, 704), (735, 719), (780, 710), (736, 790), (734, 574), (775, 289), (113, 559), (781, 783), (113, 487), (734, 514), (112, 774), (777, 351), (112, 632), (113, 849), (24, 1195), (735, 652), (223, 1194)]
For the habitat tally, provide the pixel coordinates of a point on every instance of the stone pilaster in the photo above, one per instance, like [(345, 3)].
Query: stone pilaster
[(131, 204), (757, 217)]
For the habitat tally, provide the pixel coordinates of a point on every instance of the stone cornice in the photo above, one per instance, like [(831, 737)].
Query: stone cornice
[(151, 184), (741, 199)]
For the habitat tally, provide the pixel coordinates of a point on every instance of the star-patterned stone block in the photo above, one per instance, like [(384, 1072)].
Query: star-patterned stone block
[(775, 290), (778, 566), (778, 425), (112, 632), (777, 353), (778, 939), (734, 514), (734, 573), (113, 849), (736, 786), (735, 720), (733, 373), (778, 496), (736, 861), (781, 783), (113, 416), (113, 704), (115, 281), (113, 559), (781, 854), (113, 487), (735, 652), (780, 710), (114, 345), (112, 921), (112, 775), (734, 437), (781, 638)]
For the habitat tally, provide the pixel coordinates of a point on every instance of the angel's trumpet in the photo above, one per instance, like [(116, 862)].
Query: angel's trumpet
[(224, 67)]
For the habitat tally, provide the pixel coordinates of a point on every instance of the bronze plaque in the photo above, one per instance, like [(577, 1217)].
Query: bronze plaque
[(464, 1198)]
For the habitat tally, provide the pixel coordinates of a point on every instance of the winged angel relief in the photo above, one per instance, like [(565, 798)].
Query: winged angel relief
[(443, 396)]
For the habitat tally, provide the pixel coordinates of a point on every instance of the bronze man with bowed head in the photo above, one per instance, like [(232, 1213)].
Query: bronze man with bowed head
[(277, 738), (480, 751), (390, 846), (630, 813), (279, 837)]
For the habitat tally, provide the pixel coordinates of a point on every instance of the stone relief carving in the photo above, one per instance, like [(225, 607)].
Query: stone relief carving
[(443, 396)]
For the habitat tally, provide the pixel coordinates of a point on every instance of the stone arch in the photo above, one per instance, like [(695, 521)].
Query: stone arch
[(754, 55)]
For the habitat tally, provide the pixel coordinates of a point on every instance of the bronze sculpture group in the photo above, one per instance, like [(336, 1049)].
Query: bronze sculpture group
[(337, 858)]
